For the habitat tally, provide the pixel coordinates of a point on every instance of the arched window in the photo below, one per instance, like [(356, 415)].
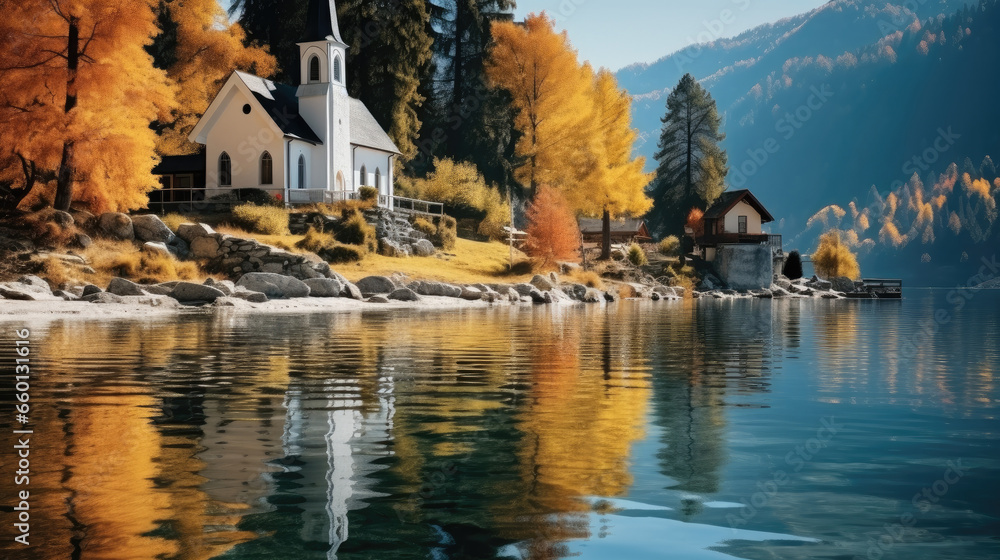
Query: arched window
[(313, 69), (364, 175), (341, 184), (266, 169), (378, 179), (336, 69), (225, 170), (302, 171)]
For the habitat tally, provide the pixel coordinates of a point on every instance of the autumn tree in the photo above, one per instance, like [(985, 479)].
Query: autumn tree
[(390, 48), (553, 233), (79, 94), (692, 168), (834, 258), (199, 48)]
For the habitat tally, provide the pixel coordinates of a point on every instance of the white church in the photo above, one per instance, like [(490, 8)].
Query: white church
[(313, 143)]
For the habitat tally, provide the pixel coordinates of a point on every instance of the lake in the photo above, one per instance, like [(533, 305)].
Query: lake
[(640, 430)]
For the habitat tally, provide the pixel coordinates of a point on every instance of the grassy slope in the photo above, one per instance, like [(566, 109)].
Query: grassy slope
[(468, 263)]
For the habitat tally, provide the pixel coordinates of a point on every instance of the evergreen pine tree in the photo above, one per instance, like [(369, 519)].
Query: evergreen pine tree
[(279, 24)]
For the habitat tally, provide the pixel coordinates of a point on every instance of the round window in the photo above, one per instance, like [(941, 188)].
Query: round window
[(246, 109)]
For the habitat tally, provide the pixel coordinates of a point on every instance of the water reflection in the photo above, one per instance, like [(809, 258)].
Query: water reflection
[(453, 434)]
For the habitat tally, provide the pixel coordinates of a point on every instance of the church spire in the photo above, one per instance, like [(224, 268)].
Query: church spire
[(321, 21)]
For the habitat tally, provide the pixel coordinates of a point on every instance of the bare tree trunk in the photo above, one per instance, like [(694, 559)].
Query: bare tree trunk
[(606, 236), (67, 165)]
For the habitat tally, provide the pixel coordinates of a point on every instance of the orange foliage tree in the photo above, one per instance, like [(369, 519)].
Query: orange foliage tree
[(696, 221), (553, 234), (200, 51), (79, 93)]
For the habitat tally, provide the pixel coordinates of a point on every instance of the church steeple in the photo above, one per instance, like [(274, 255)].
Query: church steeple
[(321, 21)]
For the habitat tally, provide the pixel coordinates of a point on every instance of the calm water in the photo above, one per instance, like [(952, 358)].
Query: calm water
[(746, 429)]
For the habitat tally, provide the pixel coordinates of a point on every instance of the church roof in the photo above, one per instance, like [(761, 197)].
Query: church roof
[(321, 21), (282, 106), (365, 130)]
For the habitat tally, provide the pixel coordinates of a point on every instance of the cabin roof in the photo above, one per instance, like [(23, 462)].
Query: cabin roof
[(729, 199), (596, 225)]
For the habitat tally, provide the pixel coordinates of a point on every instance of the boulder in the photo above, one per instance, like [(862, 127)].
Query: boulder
[(250, 296), (83, 219), (376, 285), (205, 247), (189, 292), (575, 291), (539, 297), (423, 248), (390, 248), (404, 294), (158, 289), (471, 294), (274, 285), (35, 282), (179, 248), (818, 283), (21, 292), (157, 248), (103, 297), (843, 284), (123, 287), (149, 227), (90, 289), (378, 299), (62, 219), (116, 226), (543, 283), (190, 232), (150, 300), (324, 287), (82, 240), (65, 296), (762, 294), (351, 291), (610, 297), (524, 289), (227, 287), (593, 296)]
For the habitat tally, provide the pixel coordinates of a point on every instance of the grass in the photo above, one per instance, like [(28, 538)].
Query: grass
[(588, 278), (123, 259), (267, 220)]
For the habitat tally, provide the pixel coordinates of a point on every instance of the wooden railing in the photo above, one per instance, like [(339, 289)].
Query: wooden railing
[(414, 206)]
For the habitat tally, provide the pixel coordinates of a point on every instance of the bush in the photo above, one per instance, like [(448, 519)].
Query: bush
[(368, 194), (328, 249), (461, 187), (793, 266), (636, 255), (670, 246), (354, 230), (425, 226), (588, 278), (173, 220), (446, 234), (265, 220), (257, 197)]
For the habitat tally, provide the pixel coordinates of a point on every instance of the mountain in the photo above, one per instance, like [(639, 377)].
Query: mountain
[(844, 104)]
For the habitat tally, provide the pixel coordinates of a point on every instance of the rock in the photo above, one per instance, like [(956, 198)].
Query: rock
[(593, 296), (189, 292), (539, 297), (324, 287), (66, 296), (762, 294), (423, 248), (116, 226), (205, 247), (190, 232), (655, 296), (568, 267), (103, 297), (377, 299), (157, 248), (158, 289), (90, 289), (843, 284), (575, 291), (249, 296), (706, 284), (376, 285), (404, 294), (390, 248), (82, 241), (21, 292), (351, 291), (471, 294), (542, 283), (83, 219), (554, 278), (610, 297), (149, 227), (227, 287), (35, 283), (151, 301), (274, 285), (779, 292), (123, 287), (524, 289), (783, 283), (179, 248), (62, 219)]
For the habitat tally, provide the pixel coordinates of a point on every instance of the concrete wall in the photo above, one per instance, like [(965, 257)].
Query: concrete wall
[(745, 267), (732, 223)]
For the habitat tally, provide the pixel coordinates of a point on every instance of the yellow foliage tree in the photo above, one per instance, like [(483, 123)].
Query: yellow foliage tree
[(79, 93), (553, 95), (200, 52), (834, 258)]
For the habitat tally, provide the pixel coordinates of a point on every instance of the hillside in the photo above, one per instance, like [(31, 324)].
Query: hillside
[(845, 122)]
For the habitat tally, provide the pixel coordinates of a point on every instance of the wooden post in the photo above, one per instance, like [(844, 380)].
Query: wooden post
[(510, 234)]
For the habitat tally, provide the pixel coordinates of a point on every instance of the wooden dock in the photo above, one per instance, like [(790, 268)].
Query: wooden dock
[(877, 288)]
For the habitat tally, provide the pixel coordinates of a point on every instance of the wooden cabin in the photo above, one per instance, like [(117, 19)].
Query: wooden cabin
[(736, 218), (622, 231)]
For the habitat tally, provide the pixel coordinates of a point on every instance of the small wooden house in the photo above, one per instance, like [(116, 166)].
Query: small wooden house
[(736, 218), (622, 231)]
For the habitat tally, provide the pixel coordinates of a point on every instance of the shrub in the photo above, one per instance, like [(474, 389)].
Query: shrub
[(354, 230), (424, 226), (368, 194), (553, 234), (265, 220), (328, 249), (497, 215), (257, 197), (793, 266), (446, 234), (834, 258), (461, 187), (173, 221), (588, 278), (122, 258), (636, 255), (670, 246), (696, 222)]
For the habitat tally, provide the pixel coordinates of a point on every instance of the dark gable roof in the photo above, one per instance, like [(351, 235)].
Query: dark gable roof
[(365, 130), (321, 21), (729, 199), (596, 225), (282, 105)]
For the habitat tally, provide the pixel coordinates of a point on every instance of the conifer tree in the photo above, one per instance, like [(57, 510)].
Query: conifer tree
[(692, 167), (279, 24)]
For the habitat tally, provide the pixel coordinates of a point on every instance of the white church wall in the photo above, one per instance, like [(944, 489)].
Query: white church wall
[(341, 144), (373, 160), (244, 137)]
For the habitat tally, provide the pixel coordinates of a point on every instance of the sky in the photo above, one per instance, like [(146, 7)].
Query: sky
[(616, 33)]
